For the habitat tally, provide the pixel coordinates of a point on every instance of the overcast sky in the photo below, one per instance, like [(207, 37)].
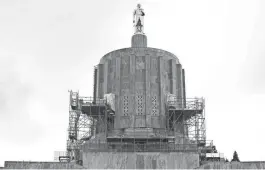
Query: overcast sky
[(50, 46)]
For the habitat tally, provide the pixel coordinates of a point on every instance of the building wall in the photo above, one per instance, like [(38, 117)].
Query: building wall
[(140, 78), (140, 160), (40, 165), (234, 165)]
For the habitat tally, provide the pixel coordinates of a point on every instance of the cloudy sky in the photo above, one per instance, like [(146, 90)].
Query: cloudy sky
[(50, 46)]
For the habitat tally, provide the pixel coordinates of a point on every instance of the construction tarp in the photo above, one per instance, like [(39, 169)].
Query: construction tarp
[(110, 98)]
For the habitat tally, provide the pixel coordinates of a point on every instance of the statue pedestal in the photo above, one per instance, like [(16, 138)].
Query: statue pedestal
[(139, 41)]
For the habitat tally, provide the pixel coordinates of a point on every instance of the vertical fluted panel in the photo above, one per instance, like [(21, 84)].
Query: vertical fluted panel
[(105, 85), (132, 90), (100, 80), (179, 84), (162, 82), (139, 41), (117, 92), (147, 92), (184, 87)]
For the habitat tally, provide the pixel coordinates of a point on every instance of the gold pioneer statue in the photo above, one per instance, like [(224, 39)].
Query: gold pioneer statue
[(138, 20)]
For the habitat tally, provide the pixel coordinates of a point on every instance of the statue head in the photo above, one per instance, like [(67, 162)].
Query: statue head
[(138, 6)]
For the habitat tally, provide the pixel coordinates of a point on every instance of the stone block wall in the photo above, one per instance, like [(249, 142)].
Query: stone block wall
[(40, 165), (140, 160), (234, 165)]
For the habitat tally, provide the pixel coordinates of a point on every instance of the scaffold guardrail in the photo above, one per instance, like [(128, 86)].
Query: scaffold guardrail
[(137, 147), (190, 104)]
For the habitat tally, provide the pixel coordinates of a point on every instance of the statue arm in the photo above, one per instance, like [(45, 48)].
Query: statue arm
[(143, 14)]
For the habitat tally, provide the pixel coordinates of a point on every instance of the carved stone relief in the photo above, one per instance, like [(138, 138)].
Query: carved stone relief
[(125, 105), (154, 105), (140, 102), (140, 62)]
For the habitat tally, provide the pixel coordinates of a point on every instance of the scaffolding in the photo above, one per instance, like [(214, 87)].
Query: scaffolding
[(86, 118), (189, 115), (187, 118), (90, 116)]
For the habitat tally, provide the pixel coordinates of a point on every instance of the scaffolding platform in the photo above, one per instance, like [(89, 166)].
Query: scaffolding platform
[(184, 114), (92, 120), (93, 109)]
